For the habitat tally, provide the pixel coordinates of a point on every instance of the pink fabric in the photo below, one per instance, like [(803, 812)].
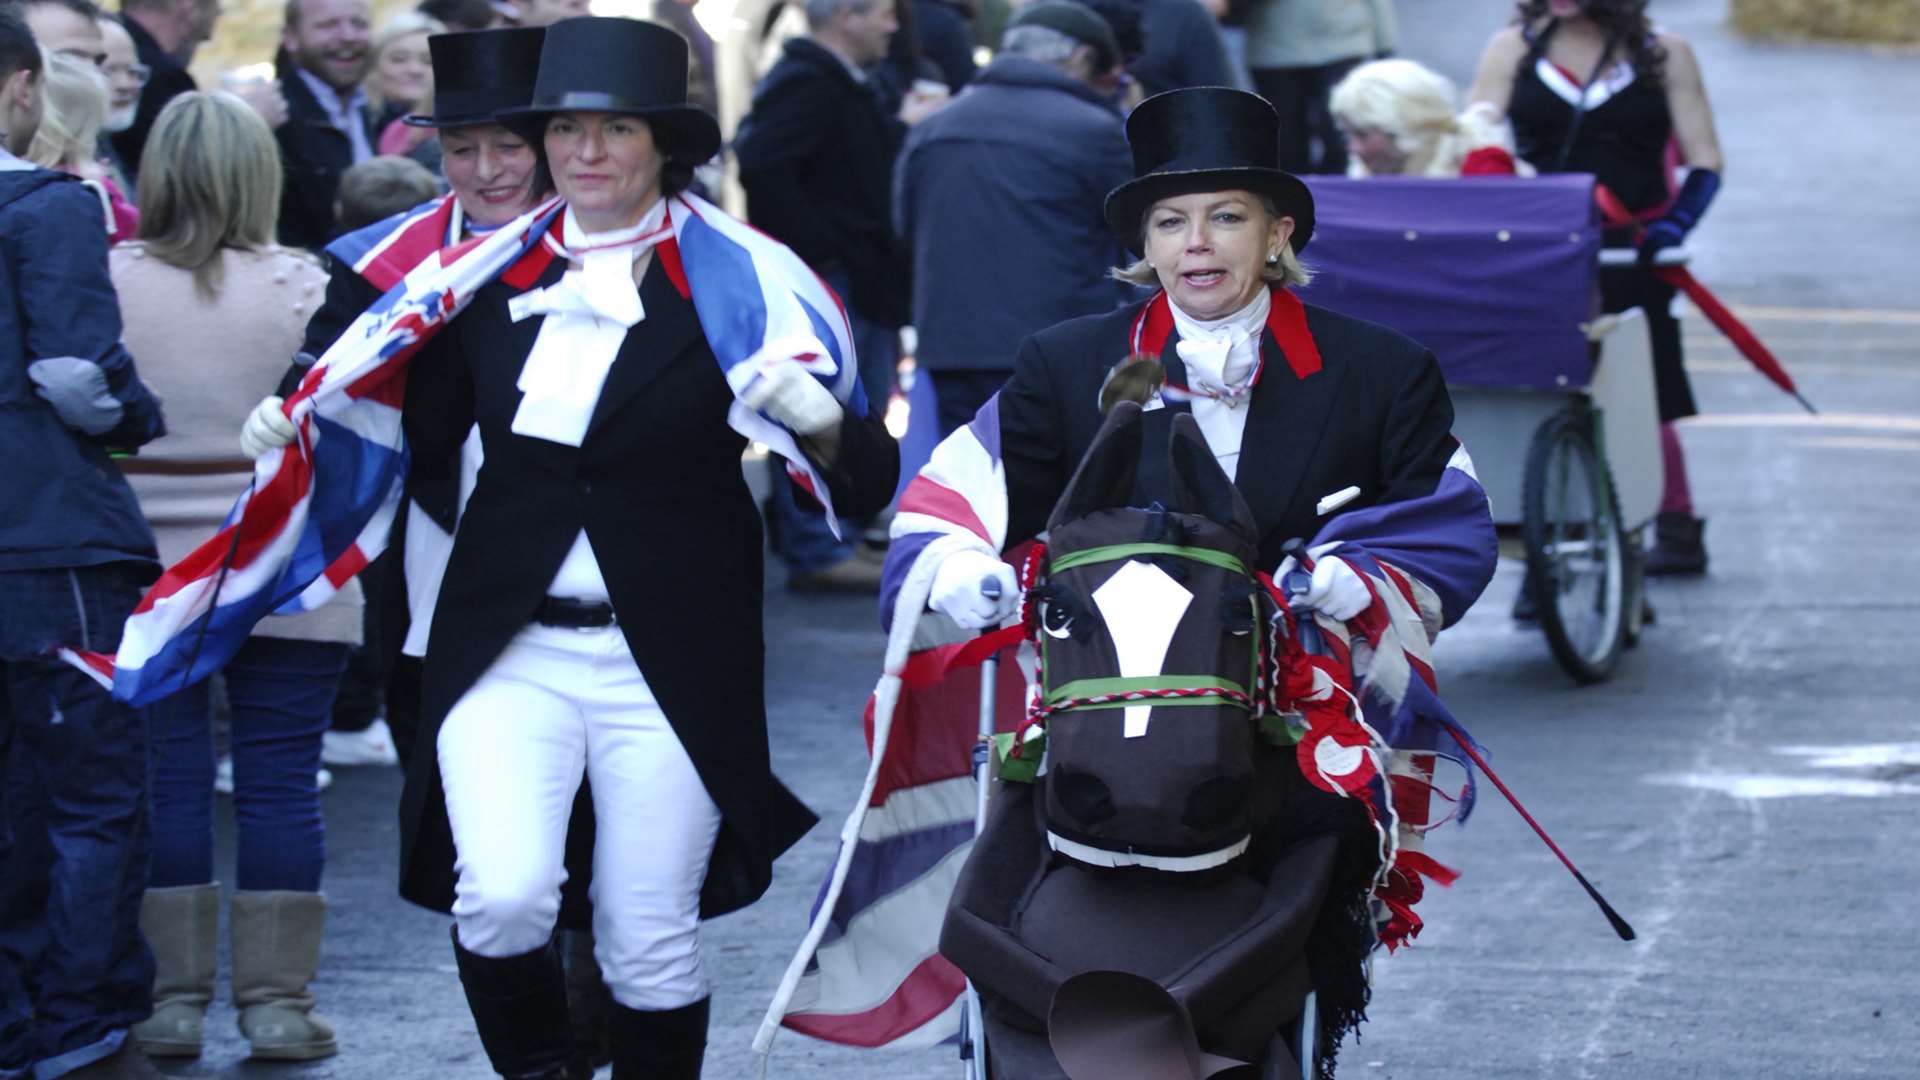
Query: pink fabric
[(1677, 496), (126, 216), (399, 138)]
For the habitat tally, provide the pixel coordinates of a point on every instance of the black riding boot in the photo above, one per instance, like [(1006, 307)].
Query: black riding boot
[(1678, 547), (665, 1045), (519, 1004), (588, 1004)]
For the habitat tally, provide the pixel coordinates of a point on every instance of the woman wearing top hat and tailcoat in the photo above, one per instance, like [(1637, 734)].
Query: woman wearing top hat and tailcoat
[(600, 619), (1313, 414)]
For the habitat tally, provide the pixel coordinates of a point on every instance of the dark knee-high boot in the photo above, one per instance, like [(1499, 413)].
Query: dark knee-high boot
[(668, 1044), (519, 1004)]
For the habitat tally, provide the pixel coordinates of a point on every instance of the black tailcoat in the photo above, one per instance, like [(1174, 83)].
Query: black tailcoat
[(1375, 416), (657, 485)]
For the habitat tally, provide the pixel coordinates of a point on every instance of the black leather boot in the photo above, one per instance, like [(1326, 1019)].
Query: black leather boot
[(588, 1004), (519, 1004), (669, 1044), (1678, 546)]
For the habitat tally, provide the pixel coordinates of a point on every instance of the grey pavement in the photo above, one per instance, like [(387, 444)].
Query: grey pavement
[(1746, 790)]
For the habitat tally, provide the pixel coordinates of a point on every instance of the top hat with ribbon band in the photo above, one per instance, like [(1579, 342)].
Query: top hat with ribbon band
[(478, 73), (1207, 138), (626, 66)]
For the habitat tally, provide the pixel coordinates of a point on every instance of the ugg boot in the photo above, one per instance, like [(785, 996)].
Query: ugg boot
[(182, 924), (1679, 548), (519, 1005), (276, 950), (670, 1044)]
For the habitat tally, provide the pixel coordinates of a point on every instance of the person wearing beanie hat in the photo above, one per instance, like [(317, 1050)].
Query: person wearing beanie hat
[(1031, 147)]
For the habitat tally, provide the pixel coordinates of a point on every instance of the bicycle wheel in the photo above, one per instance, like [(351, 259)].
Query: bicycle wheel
[(1576, 562)]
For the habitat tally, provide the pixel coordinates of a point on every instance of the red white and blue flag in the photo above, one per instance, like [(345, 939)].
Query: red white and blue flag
[(321, 508)]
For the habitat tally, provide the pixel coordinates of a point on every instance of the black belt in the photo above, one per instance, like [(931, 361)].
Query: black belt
[(574, 614)]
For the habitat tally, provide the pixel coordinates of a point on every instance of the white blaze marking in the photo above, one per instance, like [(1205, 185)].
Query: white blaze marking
[(1142, 606)]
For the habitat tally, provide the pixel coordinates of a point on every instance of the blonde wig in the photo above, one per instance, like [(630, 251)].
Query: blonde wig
[(76, 105), (1286, 270), (1415, 106), (209, 180)]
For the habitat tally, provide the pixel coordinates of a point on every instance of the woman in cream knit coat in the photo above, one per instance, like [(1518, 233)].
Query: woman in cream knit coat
[(215, 309)]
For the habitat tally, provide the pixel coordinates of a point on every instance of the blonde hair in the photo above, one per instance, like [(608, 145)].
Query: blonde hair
[(1284, 271), (209, 180), (405, 24), (76, 105), (1415, 105)]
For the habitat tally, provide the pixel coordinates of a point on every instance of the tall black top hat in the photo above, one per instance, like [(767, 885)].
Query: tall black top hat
[(623, 66), (1207, 138), (480, 72)]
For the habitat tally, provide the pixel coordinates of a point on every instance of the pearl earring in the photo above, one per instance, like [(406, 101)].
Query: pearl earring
[(1273, 259)]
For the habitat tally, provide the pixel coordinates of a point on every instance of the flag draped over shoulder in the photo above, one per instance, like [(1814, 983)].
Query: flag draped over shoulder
[(869, 972), (320, 509)]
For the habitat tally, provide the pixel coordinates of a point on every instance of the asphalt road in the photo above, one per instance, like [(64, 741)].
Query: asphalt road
[(1745, 790)]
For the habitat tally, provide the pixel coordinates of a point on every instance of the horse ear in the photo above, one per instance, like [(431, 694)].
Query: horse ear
[(1200, 486), (1105, 476)]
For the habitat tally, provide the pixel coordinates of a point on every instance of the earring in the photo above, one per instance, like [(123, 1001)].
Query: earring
[(1273, 258)]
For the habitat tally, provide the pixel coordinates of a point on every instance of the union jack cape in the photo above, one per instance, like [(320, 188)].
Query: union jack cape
[(319, 510), (869, 972)]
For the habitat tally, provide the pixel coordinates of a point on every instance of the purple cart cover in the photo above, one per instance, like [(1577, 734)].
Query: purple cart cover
[(1494, 274)]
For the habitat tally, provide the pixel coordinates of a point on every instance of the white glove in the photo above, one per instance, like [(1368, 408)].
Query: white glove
[(267, 428), (788, 394), (1337, 590), (959, 590)]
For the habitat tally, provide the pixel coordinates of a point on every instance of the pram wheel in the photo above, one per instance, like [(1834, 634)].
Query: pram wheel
[(1577, 564)]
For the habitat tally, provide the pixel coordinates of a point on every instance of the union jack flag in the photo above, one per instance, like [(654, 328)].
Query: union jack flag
[(320, 509)]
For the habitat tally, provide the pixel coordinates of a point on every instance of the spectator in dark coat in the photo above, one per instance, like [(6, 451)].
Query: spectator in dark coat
[(1000, 198), (816, 158), (1183, 48), (75, 555), (326, 49), (940, 42), (165, 33)]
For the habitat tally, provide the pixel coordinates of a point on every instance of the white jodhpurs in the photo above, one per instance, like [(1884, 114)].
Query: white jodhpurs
[(555, 705)]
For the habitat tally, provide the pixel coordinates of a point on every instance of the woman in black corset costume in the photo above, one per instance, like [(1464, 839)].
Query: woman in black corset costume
[(1591, 86)]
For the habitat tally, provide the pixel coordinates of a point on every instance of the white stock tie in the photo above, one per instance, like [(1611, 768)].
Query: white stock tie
[(588, 313)]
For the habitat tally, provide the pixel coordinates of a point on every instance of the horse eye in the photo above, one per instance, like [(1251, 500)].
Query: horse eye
[(1056, 620)]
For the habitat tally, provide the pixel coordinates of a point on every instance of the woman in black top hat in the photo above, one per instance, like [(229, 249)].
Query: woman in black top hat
[(1313, 414), (593, 711)]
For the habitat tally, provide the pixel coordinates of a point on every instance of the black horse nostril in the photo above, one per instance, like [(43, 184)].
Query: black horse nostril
[(1084, 796), (1216, 803)]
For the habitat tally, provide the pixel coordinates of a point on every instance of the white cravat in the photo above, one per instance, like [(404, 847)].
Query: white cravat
[(1221, 356), (588, 313)]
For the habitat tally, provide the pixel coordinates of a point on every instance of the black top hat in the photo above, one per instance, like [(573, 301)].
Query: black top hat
[(623, 66), (480, 72), (1207, 138)]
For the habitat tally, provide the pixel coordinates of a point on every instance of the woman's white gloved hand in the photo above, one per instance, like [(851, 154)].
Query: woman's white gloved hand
[(960, 590), (787, 393), (267, 428), (1337, 590)]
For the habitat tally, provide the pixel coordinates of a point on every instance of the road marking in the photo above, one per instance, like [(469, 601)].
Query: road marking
[(1859, 442), (1765, 786), (1886, 316), (1849, 421)]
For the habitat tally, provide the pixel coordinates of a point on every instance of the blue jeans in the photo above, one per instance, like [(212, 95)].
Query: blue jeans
[(74, 971), (281, 692), (805, 540)]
